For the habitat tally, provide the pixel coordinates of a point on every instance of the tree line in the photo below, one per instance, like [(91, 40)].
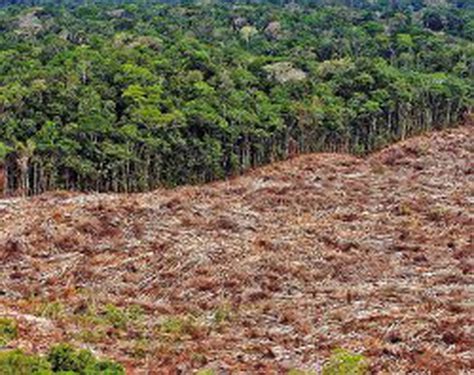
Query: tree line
[(124, 97)]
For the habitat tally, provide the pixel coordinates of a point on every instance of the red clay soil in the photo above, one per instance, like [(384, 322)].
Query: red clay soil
[(267, 272)]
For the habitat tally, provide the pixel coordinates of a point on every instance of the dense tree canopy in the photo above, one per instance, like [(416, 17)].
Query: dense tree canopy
[(119, 96)]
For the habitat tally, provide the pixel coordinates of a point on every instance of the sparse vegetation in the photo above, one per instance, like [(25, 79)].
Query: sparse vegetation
[(206, 372), (343, 362), (177, 327), (95, 334), (222, 314), (116, 316), (405, 209), (109, 315), (141, 348), (300, 372), (51, 310)]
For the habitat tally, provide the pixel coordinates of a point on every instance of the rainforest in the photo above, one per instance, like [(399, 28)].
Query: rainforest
[(133, 96)]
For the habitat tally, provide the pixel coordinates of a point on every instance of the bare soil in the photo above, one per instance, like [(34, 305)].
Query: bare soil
[(260, 274)]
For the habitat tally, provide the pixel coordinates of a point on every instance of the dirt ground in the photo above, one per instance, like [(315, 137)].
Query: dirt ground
[(260, 274)]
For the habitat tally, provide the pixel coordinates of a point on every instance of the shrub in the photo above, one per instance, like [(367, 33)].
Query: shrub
[(343, 362), (62, 359), (17, 363), (8, 330)]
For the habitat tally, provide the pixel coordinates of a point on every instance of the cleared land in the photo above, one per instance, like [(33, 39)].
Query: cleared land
[(261, 274)]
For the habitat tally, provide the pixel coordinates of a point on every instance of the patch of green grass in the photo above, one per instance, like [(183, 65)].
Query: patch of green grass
[(90, 317), (116, 316), (300, 372), (205, 372), (174, 325), (110, 315), (51, 310), (222, 314), (177, 327), (343, 362), (8, 330), (95, 322), (120, 317), (141, 348), (94, 336), (135, 313)]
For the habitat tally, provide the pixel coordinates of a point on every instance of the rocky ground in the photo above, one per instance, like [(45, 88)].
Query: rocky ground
[(261, 274)]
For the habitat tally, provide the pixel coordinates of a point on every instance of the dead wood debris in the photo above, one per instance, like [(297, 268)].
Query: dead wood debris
[(263, 273)]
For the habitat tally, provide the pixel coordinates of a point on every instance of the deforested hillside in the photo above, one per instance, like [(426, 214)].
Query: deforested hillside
[(262, 274)]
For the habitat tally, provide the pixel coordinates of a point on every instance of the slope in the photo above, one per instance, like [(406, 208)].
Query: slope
[(260, 274)]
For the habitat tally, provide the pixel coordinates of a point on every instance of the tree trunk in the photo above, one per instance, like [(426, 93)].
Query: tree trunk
[(3, 181), (23, 186)]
